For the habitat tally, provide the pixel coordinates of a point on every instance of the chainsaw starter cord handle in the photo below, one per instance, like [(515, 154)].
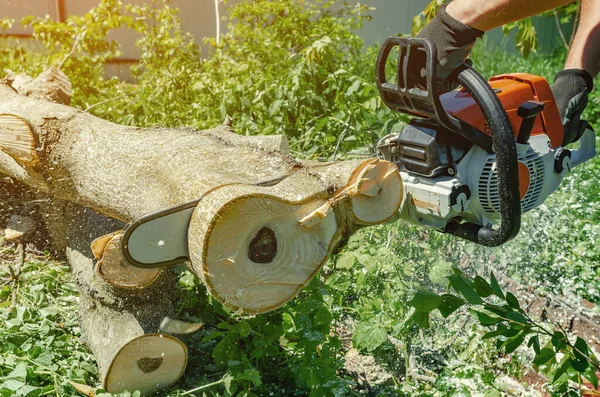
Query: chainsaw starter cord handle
[(503, 143)]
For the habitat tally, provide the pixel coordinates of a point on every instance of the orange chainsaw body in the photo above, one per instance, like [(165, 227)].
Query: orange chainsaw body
[(513, 90)]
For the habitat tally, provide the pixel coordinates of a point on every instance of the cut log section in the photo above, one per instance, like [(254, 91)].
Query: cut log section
[(256, 247), (128, 358), (114, 270), (16, 139), (51, 85), (120, 326)]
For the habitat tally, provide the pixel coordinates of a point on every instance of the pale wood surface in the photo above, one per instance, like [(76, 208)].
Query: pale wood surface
[(121, 326)]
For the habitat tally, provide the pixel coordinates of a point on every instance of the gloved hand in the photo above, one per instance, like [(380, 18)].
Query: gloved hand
[(454, 41), (570, 89)]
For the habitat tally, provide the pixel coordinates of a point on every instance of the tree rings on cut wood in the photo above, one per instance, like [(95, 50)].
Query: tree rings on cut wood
[(256, 247), (114, 270), (376, 192), (255, 254), (17, 140), (147, 363)]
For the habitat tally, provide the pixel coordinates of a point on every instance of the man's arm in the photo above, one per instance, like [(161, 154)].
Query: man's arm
[(585, 51), (485, 15), (489, 14)]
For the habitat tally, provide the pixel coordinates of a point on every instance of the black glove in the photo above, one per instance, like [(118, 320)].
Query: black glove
[(453, 41), (570, 89)]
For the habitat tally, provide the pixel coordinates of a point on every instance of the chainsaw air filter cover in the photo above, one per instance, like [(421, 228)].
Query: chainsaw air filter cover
[(426, 148)]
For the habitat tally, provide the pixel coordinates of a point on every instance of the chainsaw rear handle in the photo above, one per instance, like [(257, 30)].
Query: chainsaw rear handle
[(408, 96)]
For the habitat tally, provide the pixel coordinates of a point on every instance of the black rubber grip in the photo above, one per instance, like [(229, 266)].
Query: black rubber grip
[(503, 144)]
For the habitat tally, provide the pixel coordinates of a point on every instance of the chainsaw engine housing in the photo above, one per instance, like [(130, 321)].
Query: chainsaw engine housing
[(448, 178)]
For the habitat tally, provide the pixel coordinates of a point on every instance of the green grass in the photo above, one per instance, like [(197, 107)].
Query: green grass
[(40, 350)]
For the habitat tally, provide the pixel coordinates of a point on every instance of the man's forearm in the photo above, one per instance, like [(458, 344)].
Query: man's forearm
[(489, 14), (585, 51)]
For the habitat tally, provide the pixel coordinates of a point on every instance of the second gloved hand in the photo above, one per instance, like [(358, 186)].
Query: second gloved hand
[(453, 41), (571, 88)]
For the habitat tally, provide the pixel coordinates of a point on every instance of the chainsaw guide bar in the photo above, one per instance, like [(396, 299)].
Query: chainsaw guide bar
[(160, 239)]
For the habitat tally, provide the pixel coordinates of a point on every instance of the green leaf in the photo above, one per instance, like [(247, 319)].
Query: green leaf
[(421, 319), (592, 377), (512, 300), (498, 332), (486, 319), (535, 342), (544, 356), (581, 348), (518, 320), (460, 285), (495, 286), (425, 301), (11, 385), (482, 287), (580, 365), (368, 336), (510, 332), (19, 372), (252, 375), (580, 362), (243, 328), (512, 344), (496, 309), (353, 88), (449, 304), (558, 341), (561, 370)]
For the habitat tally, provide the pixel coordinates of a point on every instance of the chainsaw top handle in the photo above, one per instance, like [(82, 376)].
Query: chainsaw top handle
[(417, 94)]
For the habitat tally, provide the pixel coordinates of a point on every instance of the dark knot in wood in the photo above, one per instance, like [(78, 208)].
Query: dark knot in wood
[(147, 364), (263, 246)]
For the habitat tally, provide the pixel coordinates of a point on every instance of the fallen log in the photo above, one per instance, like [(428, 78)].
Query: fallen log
[(127, 172), (264, 227)]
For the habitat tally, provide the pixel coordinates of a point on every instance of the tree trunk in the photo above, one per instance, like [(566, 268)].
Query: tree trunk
[(264, 227), (279, 218)]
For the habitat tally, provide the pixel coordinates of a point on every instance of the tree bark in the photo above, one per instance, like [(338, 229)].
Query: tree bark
[(249, 185)]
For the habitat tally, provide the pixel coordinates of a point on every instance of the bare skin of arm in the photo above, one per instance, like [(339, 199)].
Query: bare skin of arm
[(585, 51), (486, 15)]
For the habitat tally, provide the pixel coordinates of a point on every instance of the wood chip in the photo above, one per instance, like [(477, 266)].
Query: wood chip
[(83, 389), (172, 326)]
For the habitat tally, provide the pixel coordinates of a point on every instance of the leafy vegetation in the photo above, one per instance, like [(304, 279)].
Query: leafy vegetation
[(316, 86), (501, 309)]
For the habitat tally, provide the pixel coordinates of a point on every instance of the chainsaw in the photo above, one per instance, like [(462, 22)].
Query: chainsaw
[(473, 161), (476, 158)]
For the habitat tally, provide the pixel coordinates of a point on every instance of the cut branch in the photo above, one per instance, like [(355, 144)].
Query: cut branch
[(120, 326)]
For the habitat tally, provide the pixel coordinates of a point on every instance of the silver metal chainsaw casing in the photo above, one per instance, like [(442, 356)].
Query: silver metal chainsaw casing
[(429, 201)]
